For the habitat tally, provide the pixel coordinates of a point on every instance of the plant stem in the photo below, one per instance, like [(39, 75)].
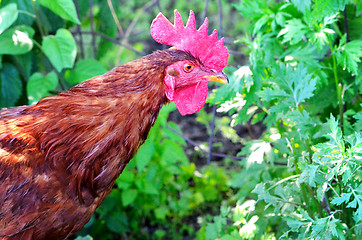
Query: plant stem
[(92, 29), (304, 192), (338, 88), (37, 20), (26, 13)]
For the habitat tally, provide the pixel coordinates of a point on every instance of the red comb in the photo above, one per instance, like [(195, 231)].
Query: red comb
[(208, 49)]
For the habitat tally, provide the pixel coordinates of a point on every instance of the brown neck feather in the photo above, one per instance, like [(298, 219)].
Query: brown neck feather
[(94, 129)]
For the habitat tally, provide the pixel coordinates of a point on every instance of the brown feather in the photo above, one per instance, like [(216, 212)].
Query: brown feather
[(59, 158)]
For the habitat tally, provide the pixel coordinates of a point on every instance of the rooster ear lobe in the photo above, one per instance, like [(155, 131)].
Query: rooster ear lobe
[(170, 86), (172, 72)]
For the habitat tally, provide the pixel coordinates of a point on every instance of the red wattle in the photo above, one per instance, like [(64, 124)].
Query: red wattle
[(191, 99)]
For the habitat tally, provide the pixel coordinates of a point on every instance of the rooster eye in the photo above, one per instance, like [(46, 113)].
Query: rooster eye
[(188, 67)]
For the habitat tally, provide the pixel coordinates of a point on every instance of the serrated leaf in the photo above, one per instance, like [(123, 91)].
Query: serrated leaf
[(336, 132), (352, 204), (60, 49), (16, 40), (309, 175), (128, 196), (263, 194), (84, 69), (39, 86), (346, 176), (324, 8), (292, 87), (10, 85), (63, 8), (319, 39), (294, 224), (348, 55), (144, 155), (260, 23), (302, 5), (344, 198), (293, 32), (8, 16)]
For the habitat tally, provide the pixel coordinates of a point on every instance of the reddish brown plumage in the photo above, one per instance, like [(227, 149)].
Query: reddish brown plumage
[(60, 158)]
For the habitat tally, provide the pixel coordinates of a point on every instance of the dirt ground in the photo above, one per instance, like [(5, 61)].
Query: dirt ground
[(198, 133)]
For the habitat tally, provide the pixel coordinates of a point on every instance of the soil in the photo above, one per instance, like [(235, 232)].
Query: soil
[(198, 133)]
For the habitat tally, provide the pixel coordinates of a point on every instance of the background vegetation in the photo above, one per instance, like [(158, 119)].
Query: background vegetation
[(292, 113)]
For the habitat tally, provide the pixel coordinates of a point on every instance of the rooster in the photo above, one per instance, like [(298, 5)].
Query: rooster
[(60, 158)]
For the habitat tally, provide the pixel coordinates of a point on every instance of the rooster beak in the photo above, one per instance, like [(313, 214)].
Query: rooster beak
[(219, 77)]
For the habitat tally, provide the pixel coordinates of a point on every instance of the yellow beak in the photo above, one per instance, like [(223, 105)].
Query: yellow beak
[(220, 77)]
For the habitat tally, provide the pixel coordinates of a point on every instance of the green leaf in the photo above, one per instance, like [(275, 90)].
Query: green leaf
[(336, 132), (117, 222), (172, 135), (294, 31), (150, 188), (87, 237), (144, 155), (212, 231), (125, 180), (352, 204), (260, 23), (161, 212), (172, 152), (8, 16), (63, 8), (302, 5), (324, 8), (16, 40), (39, 86), (309, 175), (10, 85), (84, 69), (358, 124), (26, 12), (294, 224), (60, 49), (348, 55), (128, 196), (344, 198), (292, 87)]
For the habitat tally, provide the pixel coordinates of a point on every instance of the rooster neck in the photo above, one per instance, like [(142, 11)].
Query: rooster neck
[(91, 131)]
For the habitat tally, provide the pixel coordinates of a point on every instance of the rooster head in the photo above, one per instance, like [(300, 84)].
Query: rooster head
[(186, 81)]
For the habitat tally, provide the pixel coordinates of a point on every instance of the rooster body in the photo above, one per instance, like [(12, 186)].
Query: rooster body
[(60, 158), (63, 155)]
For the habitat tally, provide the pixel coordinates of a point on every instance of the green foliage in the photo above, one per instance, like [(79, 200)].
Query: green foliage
[(302, 72), (16, 40), (60, 49), (84, 69), (348, 54), (63, 8), (8, 14), (10, 85), (39, 86)]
